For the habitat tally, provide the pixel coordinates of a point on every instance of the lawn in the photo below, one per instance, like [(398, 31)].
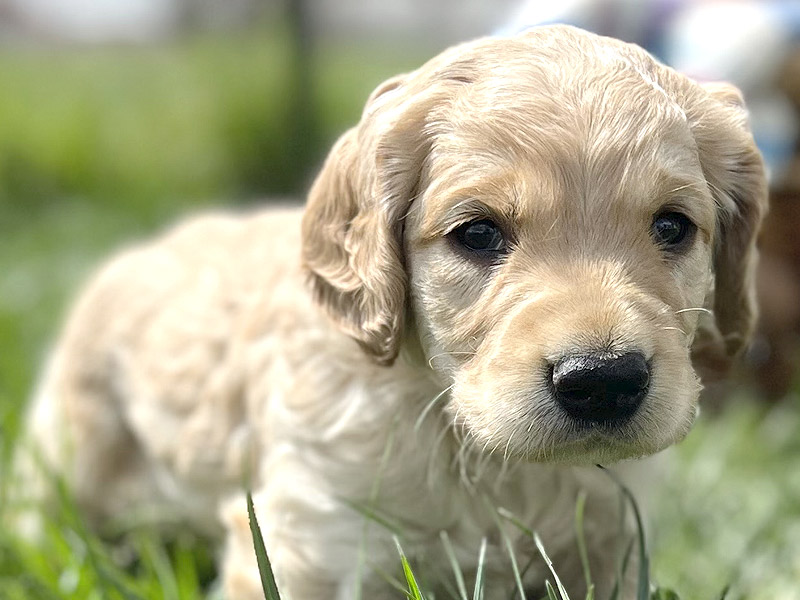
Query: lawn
[(101, 147)]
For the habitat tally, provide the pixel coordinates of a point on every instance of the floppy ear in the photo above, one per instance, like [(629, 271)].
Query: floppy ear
[(735, 173), (353, 224)]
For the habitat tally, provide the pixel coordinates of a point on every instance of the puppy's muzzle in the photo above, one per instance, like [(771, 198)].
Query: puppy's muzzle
[(601, 387)]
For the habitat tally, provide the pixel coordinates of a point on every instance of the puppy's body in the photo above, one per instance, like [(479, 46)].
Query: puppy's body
[(271, 394), (204, 360)]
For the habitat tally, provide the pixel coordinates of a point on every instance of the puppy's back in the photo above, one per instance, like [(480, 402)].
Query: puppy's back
[(150, 358)]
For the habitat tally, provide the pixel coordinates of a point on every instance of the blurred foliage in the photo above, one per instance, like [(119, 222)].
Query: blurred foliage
[(200, 119), (729, 513)]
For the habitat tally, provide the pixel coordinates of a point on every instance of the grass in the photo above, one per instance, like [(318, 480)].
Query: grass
[(69, 562), (264, 567), (202, 118), (730, 513), (100, 148)]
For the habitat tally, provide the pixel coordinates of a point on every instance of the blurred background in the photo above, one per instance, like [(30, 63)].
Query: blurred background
[(119, 116)]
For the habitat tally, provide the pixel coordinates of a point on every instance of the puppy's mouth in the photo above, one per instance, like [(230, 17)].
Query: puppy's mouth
[(586, 442)]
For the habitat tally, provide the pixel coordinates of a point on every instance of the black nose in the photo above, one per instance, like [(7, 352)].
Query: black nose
[(601, 387)]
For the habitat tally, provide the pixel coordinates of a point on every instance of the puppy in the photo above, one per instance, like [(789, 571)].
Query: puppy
[(495, 284)]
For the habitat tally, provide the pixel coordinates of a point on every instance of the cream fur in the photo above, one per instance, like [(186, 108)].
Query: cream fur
[(203, 361)]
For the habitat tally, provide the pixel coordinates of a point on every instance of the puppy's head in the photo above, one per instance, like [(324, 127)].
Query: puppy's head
[(554, 214)]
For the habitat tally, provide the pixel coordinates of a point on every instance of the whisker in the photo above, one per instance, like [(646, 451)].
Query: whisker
[(429, 406), (432, 476), (692, 184), (674, 329), (551, 228), (435, 356), (694, 309), (717, 191), (481, 462), (508, 445), (413, 206), (463, 459)]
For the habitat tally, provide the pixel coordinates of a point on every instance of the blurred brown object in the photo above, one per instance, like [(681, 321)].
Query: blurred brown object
[(773, 358), (775, 355), (788, 80)]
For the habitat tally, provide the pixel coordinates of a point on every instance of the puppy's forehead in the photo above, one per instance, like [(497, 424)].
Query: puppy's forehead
[(563, 114), (525, 91), (551, 60)]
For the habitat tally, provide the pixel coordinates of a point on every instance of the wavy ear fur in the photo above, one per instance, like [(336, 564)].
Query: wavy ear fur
[(353, 223), (736, 177)]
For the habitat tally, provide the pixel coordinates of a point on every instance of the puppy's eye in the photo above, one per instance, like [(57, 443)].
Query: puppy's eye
[(483, 237), (672, 230)]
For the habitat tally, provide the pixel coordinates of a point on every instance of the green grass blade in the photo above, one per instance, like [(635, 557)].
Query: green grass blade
[(191, 563), (525, 569), (507, 514), (413, 587), (112, 581), (551, 593), (724, 593), (390, 579), (374, 515), (478, 591), (664, 594), (451, 555), (643, 588), (561, 590), (580, 506), (373, 499), (153, 552), (509, 548), (26, 587), (414, 592), (623, 568), (264, 568), (108, 578)]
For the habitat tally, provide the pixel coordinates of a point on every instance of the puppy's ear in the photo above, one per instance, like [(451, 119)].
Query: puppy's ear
[(353, 224), (735, 173)]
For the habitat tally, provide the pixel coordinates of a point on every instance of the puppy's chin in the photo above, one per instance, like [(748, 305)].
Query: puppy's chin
[(545, 434), (589, 444)]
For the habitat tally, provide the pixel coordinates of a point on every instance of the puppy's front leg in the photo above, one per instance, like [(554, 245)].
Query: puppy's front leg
[(241, 578), (305, 567)]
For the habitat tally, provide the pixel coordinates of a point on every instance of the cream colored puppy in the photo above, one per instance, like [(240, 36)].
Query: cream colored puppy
[(498, 277)]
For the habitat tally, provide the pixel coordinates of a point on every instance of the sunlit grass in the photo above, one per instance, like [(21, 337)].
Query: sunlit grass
[(201, 118), (70, 562), (730, 510)]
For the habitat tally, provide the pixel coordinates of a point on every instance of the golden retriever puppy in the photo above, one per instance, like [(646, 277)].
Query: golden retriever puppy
[(496, 283)]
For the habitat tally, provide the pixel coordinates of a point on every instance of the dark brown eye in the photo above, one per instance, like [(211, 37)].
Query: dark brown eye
[(482, 237), (672, 230)]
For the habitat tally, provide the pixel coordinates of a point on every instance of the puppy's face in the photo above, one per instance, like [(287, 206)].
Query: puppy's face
[(559, 238), (558, 272)]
